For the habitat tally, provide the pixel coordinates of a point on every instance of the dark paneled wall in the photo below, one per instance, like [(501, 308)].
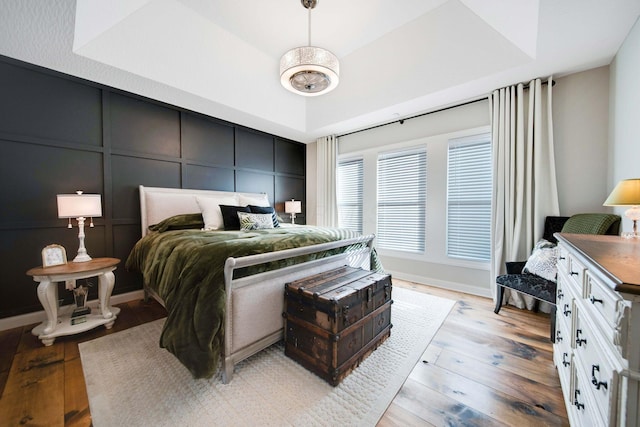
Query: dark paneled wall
[(59, 134)]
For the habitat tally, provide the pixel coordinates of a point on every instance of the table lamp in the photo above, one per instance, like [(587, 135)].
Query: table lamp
[(293, 207), (627, 193), (80, 206)]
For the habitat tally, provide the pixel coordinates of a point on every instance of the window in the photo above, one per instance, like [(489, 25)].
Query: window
[(350, 183), (402, 188), (469, 183)]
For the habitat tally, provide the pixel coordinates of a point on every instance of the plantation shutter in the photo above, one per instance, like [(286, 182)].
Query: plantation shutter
[(469, 184), (350, 190), (402, 192)]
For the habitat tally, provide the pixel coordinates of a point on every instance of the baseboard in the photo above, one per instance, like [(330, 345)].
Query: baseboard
[(452, 286), (40, 316)]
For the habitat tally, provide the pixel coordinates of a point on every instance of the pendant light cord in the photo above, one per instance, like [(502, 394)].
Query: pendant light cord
[(309, 23)]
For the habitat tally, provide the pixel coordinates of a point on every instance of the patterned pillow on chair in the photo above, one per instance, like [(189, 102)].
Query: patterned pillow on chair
[(542, 261)]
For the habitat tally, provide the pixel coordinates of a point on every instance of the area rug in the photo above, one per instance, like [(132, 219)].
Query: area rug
[(131, 381)]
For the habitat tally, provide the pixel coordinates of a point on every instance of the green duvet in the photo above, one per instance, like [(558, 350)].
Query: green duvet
[(186, 268)]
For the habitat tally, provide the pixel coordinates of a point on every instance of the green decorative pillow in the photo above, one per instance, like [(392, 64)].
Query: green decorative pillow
[(252, 221), (590, 223), (179, 222)]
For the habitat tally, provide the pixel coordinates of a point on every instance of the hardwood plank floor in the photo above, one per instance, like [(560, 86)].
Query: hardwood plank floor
[(481, 369)]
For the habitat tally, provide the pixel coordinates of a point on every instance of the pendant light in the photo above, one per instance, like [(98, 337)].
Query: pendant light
[(309, 70)]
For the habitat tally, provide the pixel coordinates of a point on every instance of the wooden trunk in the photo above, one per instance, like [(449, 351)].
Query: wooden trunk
[(334, 320)]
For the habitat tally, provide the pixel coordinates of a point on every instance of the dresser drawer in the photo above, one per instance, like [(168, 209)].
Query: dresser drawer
[(563, 259), (591, 359), (563, 295), (583, 411), (606, 308), (575, 273), (562, 357), (603, 300)]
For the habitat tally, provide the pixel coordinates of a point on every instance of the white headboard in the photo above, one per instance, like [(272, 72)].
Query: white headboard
[(158, 203)]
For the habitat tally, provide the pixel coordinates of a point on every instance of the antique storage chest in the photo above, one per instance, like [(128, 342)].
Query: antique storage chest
[(335, 319)]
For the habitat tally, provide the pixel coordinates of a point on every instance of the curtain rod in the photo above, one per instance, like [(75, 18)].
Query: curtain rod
[(401, 121)]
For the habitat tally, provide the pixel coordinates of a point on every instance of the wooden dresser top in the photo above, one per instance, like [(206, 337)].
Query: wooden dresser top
[(617, 257)]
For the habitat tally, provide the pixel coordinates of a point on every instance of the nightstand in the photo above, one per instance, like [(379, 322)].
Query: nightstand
[(48, 277)]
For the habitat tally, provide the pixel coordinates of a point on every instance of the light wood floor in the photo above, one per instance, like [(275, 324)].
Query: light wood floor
[(481, 369)]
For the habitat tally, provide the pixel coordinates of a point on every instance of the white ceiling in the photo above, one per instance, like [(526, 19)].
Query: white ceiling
[(397, 57)]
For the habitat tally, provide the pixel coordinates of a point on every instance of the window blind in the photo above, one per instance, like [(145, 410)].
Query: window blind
[(469, 182), (402, 191), (350, 193)]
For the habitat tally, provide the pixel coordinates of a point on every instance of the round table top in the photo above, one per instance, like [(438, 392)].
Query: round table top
[(74, 267)]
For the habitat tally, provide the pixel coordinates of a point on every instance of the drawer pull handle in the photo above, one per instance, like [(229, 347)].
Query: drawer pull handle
[(595, 300), (575, 400), (580, 341), (560, 294), (574, 273), (561, 258), (558, 337), (594, 380), (565, 362), (566, 310)]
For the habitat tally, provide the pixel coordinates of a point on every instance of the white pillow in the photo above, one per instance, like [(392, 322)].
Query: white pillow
[(210, 208), (257, 200), (542, 261), (252, 221)]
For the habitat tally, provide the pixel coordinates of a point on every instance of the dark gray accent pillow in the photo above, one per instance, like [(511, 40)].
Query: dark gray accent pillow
[(230, 216)]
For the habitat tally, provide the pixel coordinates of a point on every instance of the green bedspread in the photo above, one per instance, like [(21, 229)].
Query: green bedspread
[(186, 269)]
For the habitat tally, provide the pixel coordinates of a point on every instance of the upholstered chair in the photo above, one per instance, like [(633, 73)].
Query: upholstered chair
[(541, 288)]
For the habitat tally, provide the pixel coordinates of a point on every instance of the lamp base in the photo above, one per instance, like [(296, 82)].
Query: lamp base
[(634, 215), (82, 258)]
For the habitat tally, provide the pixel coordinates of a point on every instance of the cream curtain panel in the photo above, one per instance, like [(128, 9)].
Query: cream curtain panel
[(524, 182), (327, 201)]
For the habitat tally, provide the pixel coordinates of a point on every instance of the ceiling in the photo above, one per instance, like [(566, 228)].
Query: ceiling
[(397, 58)]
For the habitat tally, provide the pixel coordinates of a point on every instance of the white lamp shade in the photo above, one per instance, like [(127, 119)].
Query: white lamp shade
[(293, 206), (626, 193), (79, 205)]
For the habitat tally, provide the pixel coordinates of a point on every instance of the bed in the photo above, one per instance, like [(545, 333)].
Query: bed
[(224, 290)]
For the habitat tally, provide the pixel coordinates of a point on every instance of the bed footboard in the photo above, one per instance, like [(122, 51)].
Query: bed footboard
[(254, 304)]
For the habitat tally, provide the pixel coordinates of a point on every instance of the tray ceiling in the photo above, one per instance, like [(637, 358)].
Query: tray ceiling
[(397, 58)]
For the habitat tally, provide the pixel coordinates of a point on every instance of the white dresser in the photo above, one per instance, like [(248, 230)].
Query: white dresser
[(597, 349)]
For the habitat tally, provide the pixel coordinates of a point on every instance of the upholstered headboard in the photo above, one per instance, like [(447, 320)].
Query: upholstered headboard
[(158, 203)]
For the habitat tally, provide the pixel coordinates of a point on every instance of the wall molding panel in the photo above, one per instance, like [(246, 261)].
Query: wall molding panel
[(59, 134)]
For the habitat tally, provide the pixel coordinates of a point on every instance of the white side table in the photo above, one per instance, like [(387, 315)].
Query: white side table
[(56, 326)]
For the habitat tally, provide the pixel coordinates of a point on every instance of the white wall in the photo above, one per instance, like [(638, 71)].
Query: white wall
[(624, 110), (580, 126), (597, 143)]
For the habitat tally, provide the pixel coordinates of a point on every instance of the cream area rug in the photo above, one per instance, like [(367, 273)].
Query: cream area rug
[(132, 382)]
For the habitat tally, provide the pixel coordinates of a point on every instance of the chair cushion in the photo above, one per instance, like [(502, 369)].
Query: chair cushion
[(590, 223), (530, 284)]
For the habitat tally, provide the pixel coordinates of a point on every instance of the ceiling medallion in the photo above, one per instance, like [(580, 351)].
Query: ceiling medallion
[(309, 70)]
